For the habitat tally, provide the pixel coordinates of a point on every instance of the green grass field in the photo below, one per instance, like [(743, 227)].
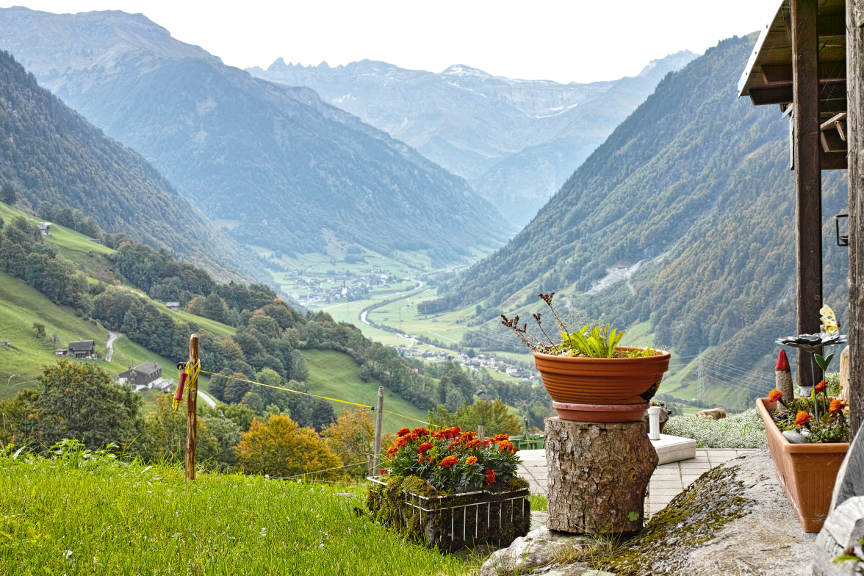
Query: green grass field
[(336, 375), (80, 517)]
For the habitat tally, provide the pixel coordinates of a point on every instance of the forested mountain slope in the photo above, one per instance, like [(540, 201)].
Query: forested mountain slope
[(515, 141), (683, 218), (50, 154), (274, 165)]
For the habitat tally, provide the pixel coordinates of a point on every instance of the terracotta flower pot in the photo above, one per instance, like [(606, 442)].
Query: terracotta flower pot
[(601, 389), (807, 472)]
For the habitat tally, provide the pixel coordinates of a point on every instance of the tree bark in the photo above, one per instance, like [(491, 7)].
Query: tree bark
[(598, 476), (855, 139)]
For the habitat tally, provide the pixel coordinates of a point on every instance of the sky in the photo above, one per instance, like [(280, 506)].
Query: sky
[(562, 40)]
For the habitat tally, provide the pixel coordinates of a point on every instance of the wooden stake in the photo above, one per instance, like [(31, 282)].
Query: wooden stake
[(379, 421), (192, 409)]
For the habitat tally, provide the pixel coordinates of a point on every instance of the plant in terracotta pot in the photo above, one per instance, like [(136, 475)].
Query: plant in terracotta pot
[(808, 437), (588, 375)]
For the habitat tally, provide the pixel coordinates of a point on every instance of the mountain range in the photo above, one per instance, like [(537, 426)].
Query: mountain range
[(274, 166), (50, 154), (515, 141), (681, 222)]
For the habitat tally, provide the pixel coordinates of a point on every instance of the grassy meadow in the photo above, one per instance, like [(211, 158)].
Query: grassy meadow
[(336, 375), (79, 516)]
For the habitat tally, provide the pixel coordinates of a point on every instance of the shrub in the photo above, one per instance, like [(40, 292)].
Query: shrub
[(744, 430)]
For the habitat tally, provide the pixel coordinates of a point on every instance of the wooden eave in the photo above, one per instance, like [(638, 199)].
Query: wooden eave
[(767, 79)]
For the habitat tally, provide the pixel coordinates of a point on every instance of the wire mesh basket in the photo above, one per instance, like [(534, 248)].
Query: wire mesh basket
[(454, 521)]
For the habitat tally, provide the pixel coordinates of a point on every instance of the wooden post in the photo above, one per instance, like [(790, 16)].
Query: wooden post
[(379, 421), (855, 140), (481, 431), (808, 176), (192, 409)]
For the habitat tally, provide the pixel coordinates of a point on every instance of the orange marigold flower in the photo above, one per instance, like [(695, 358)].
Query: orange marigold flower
[(424, 447), (420, 458), (500, 438), (421, 432), (391, 452), (802, 418), (774, 395), (507, 446), (471, 460), (448, 433), (836, 405), (402, 441), (403, 432), (490, 476), (448, 462), (820, 387)]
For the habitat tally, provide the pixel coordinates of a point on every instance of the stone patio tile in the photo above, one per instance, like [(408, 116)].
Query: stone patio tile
[(665, 484), (664, 493)]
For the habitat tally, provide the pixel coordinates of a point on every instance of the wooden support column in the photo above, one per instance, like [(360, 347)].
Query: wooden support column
[(855, 140), (808, 177)]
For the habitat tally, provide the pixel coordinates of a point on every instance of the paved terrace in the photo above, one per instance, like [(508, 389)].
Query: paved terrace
[(666, 483)]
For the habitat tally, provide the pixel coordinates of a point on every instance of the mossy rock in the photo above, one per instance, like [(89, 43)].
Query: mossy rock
[(692, 518)]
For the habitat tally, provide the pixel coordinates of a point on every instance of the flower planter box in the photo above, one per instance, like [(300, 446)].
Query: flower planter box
[(455, 521), (601, 389), (807, 472)]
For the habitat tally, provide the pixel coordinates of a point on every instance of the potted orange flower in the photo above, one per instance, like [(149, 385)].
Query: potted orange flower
[(451, 489), (808, 438), (588, 375)]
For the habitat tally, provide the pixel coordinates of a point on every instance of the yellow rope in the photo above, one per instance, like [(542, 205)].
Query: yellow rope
[(338, 400)]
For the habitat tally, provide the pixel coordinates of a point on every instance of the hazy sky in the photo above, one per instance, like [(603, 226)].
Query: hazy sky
[(562, 40)]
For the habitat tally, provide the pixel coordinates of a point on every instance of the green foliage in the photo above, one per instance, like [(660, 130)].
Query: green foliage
[(494, 416), (819, 418), (219, 524), (591, 342), (8, 194), (744, 430), (74, 400)]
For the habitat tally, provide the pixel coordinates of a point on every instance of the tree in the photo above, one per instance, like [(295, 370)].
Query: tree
[(8, 194), (79, 400), (39, 329), (164, 436), (494, 416), (279, 447), (351, 438)]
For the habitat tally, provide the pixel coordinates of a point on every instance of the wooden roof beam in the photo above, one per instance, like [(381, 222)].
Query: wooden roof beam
[(783, 94), (780, 74)]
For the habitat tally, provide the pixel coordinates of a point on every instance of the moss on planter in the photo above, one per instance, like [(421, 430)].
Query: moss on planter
[(450, 521), (690, 520)]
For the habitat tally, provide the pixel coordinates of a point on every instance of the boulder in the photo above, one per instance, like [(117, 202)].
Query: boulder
[(734, 519), (712, 414), (840, 535), (540, 547)]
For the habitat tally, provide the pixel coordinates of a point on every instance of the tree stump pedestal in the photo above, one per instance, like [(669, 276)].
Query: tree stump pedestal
[(598, 476)]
